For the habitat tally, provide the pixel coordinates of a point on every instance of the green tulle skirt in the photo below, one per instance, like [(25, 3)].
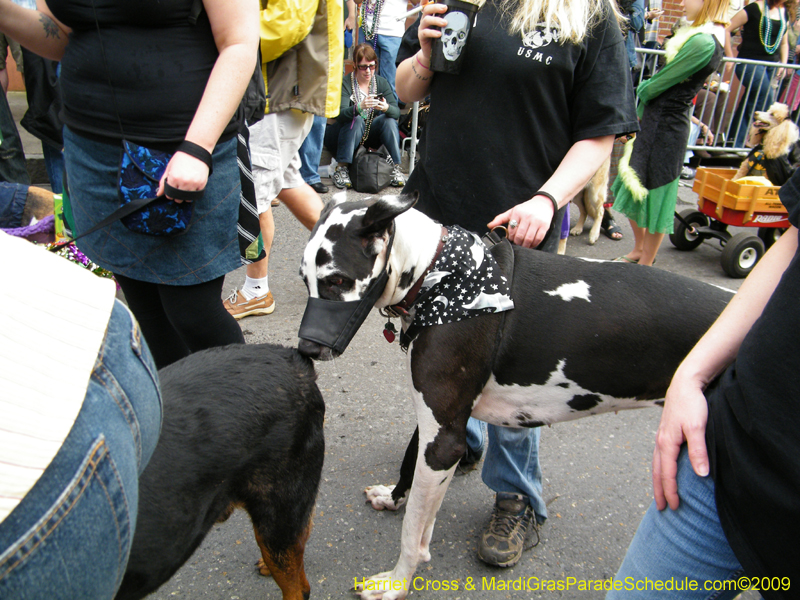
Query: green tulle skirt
[(656, 212)]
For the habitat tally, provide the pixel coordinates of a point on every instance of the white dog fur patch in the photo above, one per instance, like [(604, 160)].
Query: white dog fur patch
[(568, 291)]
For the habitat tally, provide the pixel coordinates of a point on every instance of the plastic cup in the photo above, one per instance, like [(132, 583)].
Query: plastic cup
[(448, 51)]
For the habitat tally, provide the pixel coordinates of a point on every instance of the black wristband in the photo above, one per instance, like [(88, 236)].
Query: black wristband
[(555, 211), (550, 196), (197, 152)]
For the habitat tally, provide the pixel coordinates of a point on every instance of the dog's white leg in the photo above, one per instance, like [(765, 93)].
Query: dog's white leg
[(424, 500)]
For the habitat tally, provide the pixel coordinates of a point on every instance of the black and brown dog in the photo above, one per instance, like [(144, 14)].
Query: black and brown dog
[(242, 428)]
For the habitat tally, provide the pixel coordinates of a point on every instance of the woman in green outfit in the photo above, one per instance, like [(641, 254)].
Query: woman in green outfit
[(646, 187)]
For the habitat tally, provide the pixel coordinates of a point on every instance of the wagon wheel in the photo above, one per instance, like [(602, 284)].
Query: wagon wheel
[(770, 235), (683, 238), (741, 253)]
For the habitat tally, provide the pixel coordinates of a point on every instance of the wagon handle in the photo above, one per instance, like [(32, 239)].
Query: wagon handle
[(689, 227)]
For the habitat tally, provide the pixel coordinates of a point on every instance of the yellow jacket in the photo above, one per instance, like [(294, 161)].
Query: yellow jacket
[(307, 33)]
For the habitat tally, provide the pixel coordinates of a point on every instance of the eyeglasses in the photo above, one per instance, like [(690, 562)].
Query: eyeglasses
[(371, 66)]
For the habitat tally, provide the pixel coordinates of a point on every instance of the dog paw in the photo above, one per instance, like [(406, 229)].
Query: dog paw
[(576, 231), (381, 587), (380, 497), (263, 568)]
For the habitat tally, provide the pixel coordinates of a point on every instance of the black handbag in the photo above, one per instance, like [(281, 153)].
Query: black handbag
[(371, 170)]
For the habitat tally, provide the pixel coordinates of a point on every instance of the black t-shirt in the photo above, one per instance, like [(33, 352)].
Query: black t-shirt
[(753, 433), (157, 61), (751, 46), (498, 130)]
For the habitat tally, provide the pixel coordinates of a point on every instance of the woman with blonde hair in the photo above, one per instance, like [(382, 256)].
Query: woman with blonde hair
[(646, 187), (543, 90)]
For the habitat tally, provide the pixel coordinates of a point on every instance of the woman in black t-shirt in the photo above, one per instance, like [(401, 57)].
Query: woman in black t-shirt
[(168, 76), (543, 90), (764, 25)]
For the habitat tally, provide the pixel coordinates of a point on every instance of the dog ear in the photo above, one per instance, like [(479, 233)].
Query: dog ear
[(779, 110), (779, 140), (383, 211)]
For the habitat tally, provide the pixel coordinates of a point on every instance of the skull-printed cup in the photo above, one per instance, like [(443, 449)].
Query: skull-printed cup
[(448, 51)]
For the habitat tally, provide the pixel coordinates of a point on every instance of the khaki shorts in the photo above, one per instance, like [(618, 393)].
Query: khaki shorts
[(274, 144)]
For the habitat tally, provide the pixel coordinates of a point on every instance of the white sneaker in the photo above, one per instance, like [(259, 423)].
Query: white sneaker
[(397, 177)]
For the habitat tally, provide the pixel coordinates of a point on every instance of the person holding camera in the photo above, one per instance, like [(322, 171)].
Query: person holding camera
[(367, 116)]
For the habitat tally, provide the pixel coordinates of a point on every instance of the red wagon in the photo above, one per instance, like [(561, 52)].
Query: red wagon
[(723, 203)]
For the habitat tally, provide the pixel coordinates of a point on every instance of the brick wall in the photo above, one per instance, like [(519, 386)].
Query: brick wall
[(672, 13)]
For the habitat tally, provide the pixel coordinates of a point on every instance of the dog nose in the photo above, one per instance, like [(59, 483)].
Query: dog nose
[(309, 349)]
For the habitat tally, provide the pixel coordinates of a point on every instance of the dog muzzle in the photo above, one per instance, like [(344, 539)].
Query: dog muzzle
[(332, 323)]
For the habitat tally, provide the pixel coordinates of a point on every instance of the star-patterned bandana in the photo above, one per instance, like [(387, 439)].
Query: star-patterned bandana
[(465, 282)]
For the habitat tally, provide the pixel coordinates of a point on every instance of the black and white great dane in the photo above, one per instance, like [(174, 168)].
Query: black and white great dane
[(584, 338)]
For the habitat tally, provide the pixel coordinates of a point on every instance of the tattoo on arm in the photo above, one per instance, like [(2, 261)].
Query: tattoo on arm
[(417, 75), (49, 26)]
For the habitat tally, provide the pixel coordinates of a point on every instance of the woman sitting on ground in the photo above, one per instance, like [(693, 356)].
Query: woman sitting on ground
[(368, 116)]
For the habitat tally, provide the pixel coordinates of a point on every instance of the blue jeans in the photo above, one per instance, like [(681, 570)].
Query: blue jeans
[(512, 457), (343, 140), (386, 48), (758, 95), (311, 150), (54, 164), (512, 461), (71, 535), (684, 543), (13, 197)]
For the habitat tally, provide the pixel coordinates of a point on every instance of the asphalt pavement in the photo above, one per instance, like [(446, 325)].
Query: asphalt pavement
[(596, 470)]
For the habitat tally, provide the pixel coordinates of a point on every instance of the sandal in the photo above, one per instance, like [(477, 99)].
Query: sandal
[(633, 261), (611, 229)]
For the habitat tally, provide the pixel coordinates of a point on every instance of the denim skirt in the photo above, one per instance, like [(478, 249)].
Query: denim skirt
[(207, 250)]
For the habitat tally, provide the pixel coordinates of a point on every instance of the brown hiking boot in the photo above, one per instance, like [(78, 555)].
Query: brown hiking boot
[(511, 530), (240, 308)]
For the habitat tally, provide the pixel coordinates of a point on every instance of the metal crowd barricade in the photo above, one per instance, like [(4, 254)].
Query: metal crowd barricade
[(716, 107)]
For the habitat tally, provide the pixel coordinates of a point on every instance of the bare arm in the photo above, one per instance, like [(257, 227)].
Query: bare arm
[(352, 11), (37, 30), (685, 410), (534, 216), (413, 79), (784, 55), (235, 26), (739, 19)]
